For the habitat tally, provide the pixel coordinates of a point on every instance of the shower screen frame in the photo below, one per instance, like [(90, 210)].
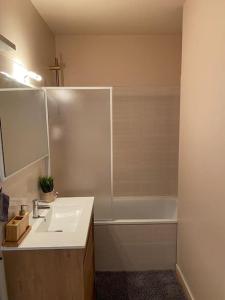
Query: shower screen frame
[(108, 214)]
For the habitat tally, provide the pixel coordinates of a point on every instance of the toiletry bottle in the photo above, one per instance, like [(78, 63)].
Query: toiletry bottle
[(22, 210)]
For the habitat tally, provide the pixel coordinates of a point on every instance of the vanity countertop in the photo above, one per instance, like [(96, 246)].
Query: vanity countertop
[(65, 225)]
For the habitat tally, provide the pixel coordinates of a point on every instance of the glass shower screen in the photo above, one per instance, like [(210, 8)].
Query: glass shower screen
[(80, 128)]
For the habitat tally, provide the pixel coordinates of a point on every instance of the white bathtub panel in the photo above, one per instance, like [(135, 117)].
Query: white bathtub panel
[(135, 247), (146, 233)]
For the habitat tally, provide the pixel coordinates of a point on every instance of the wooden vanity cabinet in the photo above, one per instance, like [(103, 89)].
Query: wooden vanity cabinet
[(53, 274)]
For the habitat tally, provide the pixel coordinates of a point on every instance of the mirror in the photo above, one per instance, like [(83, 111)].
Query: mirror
[(23, 129)]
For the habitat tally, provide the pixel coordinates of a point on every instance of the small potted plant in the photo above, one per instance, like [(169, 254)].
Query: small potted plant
[(47, 186)]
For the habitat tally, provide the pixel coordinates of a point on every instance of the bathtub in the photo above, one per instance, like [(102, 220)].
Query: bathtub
[(141, 236)]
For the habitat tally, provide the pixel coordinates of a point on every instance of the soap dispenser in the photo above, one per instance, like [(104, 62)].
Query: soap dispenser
[(22, 210), (24, 216)]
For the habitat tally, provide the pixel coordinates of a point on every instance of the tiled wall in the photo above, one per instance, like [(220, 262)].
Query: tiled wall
[(23, 188), (145, 141)]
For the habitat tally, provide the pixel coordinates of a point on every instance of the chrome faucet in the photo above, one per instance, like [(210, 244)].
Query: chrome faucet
[(36, 207)]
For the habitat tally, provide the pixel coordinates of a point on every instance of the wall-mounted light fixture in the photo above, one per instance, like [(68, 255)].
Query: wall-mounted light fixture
[(22, 75), (17, 71), (34, 76)]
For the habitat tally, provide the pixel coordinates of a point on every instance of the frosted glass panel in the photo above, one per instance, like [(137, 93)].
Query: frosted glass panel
[(23, 128), (80, 144)]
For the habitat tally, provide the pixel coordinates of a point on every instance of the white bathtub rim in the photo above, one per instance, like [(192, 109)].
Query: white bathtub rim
[(145, 198)]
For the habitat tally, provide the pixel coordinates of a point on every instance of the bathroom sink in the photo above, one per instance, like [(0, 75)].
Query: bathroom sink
[(61, 218), (64, 225)]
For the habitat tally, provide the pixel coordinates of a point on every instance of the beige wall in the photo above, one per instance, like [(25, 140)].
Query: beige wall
[(23, 187), (21, 24), (201, 242), (121, 60)]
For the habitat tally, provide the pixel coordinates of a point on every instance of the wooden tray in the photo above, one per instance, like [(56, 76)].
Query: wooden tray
[(17, 243)]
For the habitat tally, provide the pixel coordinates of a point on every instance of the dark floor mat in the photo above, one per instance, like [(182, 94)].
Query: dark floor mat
[(153, 285)]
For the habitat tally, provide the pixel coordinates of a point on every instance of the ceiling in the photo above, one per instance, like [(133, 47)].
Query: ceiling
[(111, 16)]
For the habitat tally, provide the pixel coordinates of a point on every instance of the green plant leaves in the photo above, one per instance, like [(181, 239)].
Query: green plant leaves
[(46, 183)]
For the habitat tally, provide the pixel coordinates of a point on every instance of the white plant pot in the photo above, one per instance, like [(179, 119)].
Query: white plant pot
[(48, 197)]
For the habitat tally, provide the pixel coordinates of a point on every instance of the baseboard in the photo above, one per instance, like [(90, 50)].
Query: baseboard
[(184, 284)]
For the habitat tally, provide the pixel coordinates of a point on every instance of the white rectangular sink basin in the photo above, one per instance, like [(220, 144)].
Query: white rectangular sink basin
[(64, 225), (61, 218)]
